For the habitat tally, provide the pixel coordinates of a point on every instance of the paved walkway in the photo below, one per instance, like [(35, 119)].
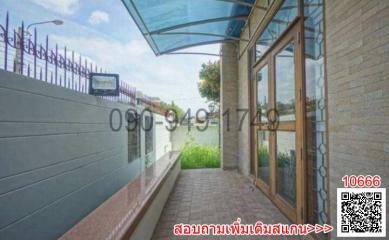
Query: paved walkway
[(215, 196)]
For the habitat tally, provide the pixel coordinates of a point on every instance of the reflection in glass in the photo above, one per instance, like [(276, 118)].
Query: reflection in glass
[(315, 109), (285, 85), (286, 166), (280, 22), (263, 93), (263, 155)]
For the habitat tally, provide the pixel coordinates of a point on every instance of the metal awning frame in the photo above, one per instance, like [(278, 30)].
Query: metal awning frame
[(166, 31)]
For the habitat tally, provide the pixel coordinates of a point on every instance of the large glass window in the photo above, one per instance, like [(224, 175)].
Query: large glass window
[(315, 110), (286, 166), (133, 136), (263, 156), (263, 93), (280, 22), (285, 85)]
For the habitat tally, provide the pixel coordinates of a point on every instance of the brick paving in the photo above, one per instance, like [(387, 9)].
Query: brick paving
[(215, 196)]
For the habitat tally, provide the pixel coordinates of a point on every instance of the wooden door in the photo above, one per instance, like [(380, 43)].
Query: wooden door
[(278, 125)]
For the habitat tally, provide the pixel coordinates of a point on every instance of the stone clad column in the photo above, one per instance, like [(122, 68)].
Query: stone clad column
[(228, 105)]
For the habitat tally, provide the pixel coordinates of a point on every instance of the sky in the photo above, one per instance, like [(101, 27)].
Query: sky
[(103, 31)]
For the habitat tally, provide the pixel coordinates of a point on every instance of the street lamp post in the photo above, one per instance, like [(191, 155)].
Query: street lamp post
[(211, 108), (55, 21), (18, 53)]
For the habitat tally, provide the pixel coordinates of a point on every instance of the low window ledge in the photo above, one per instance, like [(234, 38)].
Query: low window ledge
[(132, 212)]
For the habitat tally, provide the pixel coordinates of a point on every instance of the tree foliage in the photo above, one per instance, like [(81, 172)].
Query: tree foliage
[(209, 85), (172, 106)]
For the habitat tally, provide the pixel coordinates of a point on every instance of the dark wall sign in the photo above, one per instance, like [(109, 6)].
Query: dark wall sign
[(104, 84)]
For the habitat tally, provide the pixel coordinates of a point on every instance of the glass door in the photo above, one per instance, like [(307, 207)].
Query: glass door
[(261, 131), (278, 127), (285, 137)]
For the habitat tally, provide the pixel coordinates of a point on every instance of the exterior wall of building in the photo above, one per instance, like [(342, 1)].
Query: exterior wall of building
[(59, 158), (254, 23), (228, 105), (357, 50), (243, 103)]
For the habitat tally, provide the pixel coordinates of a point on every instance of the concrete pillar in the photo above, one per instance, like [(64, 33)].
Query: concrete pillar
[(228, 105)]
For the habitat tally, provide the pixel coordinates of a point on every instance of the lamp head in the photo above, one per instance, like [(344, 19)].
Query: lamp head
[(211, 107), (57, 22)]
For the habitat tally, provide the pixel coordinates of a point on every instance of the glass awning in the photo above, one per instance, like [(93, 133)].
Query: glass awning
[(171, 25)]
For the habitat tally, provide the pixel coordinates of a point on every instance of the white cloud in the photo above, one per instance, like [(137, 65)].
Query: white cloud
[(171, 77), (65, 7), (98, 17)]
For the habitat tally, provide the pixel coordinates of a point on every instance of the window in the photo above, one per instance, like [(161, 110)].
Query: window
[(315, 103), (263, 93), (148, 127), (285, 83), (263, 152), (133, 136), (280, 22), (286, 166)]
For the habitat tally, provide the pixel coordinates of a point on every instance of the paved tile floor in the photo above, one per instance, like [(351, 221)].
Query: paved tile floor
[(215, 196)]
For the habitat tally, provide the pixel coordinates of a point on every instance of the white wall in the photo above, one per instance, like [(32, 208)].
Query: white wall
[(163, 142), (181, 135)]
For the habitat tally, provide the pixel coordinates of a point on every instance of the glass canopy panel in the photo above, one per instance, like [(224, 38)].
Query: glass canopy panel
[(173, 42), (158, 14), (223, 28), (280, 22), (202, 21)]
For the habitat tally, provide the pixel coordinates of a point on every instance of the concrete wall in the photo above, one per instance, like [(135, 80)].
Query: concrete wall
[(163, 138), (229, 102), (59, 159), (357, 39), (181, 135)]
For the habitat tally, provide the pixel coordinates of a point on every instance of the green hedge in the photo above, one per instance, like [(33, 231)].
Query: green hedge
[(195, 156)]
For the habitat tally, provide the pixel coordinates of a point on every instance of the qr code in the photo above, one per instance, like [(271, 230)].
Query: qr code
[(361, 212)]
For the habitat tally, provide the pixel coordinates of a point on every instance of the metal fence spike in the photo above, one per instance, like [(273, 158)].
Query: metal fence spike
[(55, 69)]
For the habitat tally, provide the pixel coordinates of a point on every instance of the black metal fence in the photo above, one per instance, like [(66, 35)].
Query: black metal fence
[(20, 52)]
